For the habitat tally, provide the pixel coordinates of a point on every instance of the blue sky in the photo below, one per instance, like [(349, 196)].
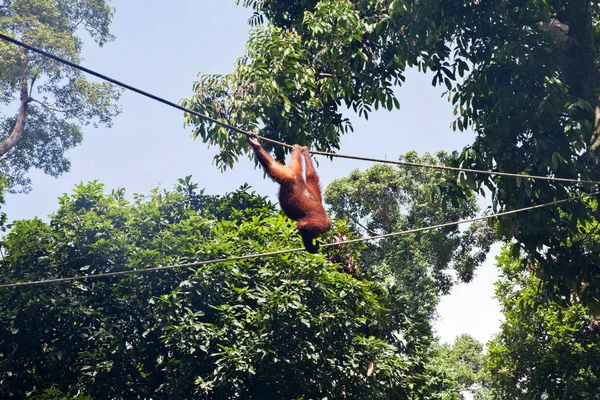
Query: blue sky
[(160, 47)]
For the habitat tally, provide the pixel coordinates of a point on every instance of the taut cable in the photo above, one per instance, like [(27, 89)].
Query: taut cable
[(274, 253)]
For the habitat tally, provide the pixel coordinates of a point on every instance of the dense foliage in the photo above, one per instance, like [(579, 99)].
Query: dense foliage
[(207, 332), (292, 325), (454, 370), (353, 321), (419, 266), (546, 349), (523, 74), (48, 103), (385, 199)]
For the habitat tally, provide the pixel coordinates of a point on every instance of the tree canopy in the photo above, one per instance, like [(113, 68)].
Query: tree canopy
[(353, 321), (545, 349), (453, 370), (291, 325), (50, 102), (522, 74)]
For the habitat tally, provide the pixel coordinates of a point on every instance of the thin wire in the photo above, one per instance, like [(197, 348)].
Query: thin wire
[(248, 133), (475, 219), (274, 253), (447, 168)]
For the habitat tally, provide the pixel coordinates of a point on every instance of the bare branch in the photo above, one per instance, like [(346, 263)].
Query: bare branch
[(52, 108), (31, 86), (74, 26), (369, 231)]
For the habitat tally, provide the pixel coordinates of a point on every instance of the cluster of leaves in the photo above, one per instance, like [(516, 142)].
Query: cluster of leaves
[(385, 199), (416, 268), (523, 74), (531, 99), (274, 332), (293, 80), (454, 370), (290, 324), (53, 101), (546, 349)]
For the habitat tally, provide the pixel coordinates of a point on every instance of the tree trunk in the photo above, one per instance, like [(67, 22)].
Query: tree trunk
[(582, 71), (595, 141), (17, 132)]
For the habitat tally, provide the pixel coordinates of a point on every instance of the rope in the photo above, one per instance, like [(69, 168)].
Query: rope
[(274, 253), (444, 167), (248, 133)]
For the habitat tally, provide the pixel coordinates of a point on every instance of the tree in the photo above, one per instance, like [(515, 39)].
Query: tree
[(53, 101), (454, 370), (290, 325), (522, 74), (418, 267), (546, 349), (386, 199)]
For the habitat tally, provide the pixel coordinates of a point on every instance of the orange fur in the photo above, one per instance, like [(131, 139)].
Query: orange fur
[(300, 198)]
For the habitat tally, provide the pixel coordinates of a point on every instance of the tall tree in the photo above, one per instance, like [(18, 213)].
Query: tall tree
[(523, 74), (545, 349), (417, 267), (288, 326), (454, 370), (47, 103)]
